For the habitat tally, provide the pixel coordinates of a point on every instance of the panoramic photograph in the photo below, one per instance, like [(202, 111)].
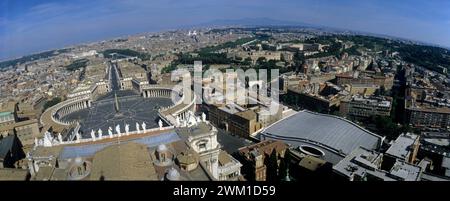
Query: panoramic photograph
[(255, 92)]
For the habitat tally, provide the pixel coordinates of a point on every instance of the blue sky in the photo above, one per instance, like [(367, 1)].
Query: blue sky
[(28, 26)]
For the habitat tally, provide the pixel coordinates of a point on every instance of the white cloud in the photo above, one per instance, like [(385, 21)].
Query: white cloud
[(50, 9)]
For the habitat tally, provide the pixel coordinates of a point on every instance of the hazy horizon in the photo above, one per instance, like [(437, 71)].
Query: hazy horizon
[(35, 26)]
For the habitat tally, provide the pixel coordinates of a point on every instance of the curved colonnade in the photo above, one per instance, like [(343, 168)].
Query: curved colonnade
[(183, 102), (52, 116)]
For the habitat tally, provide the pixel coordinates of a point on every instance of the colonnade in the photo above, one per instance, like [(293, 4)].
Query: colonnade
[(157, 93), (65, 110), (185, 113)]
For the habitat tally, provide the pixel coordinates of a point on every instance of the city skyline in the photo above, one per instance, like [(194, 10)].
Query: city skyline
[(265, 103), (34, 26)]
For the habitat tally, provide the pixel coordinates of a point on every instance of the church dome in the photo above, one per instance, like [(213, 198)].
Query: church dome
[(161, 148), (78, 160)]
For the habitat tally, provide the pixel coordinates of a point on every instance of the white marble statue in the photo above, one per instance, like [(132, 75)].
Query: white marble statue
[(178, 121), (78, 136), (36, 143), (110, 133), (137, 128), (191, 120), (100, 133), (60, 138), (93, 135), (203, 117), (127, 129), (144, 127), (47, 139), (160, 124), (118, 129)]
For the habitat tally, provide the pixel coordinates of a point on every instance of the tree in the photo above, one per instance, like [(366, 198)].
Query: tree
[(387, 127), (381, 91), (283, 169), (299, 60), (284, 166), (261, 60), (169, 68), (247, 61), (77, 64), (52, 102), (272, 167)]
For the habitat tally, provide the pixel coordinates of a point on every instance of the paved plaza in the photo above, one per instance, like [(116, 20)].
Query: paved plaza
[(132, 109)]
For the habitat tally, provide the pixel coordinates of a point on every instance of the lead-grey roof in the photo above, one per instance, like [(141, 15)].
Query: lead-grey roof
[(401, 146), (360, 162), (333, 132), (446, 162), (405, 171), (429, 177)]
